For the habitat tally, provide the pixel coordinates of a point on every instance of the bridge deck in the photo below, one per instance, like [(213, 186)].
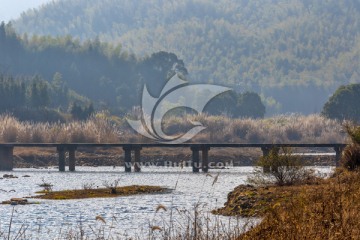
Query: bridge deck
[(6, 151), (182, 145)]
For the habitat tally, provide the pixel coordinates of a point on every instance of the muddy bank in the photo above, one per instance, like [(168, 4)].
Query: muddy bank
[(250, 201)]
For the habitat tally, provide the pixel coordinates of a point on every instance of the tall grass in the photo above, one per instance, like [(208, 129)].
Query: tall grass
[(329, 210), (102, 129), (351, 155), (95, 130)]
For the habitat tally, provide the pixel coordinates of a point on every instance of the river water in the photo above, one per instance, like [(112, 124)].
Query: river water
[(124, 217)]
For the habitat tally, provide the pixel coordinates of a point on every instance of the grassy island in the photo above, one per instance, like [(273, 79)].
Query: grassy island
[(100, 192)]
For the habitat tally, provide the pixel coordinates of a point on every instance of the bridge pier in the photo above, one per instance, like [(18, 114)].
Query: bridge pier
[(61, 153), (6, 158), (127, 158), (205, 159), (72, 158), (137, 156), (195, 159), (338, 156), (266, 152)]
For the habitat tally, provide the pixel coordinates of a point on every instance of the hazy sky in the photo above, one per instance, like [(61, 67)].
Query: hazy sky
[(11, 9)]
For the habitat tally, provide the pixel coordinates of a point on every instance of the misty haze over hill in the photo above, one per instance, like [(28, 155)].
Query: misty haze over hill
[(295, 53), (11, 9)]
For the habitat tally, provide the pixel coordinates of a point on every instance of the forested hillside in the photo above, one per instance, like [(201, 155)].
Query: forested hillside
[(108, 76), (296, 52), (292, 51)]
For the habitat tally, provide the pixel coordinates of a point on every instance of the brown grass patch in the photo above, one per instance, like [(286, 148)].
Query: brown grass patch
[(328, 210)]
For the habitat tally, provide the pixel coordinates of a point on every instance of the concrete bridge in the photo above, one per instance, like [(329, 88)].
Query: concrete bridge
[(7, 149)]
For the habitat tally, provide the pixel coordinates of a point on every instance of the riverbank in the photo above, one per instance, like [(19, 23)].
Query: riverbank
[(250, 201), (47, 157), (327, 209)]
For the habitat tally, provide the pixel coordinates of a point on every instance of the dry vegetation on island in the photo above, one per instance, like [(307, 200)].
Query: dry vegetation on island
[(102, 128)]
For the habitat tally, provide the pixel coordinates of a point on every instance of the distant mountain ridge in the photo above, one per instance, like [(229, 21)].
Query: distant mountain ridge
[(263, 45)]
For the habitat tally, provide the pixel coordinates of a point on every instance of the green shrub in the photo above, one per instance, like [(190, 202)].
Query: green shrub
[(250, 106), (281, 169), (351, 156), (354, 133), (344, 104)]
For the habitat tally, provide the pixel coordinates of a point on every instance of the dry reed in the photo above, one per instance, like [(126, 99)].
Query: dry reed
[(102, 129)]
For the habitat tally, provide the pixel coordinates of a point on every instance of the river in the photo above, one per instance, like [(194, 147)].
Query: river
[(124, 217)]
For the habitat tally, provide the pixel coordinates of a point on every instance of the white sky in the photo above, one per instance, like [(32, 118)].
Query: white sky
[(11, 9)]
